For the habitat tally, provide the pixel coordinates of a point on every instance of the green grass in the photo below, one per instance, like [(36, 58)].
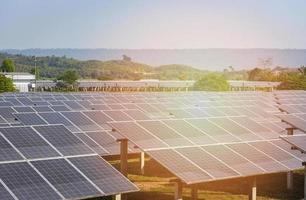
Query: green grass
[(155, 185)]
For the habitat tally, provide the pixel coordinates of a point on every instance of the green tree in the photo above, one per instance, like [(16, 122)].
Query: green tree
[(69, 77), (8, 65), (212, 82), (6, 84), (37, 73)]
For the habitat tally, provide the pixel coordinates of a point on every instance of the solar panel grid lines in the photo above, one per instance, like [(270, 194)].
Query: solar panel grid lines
[(28, 142), (193, 133), (254, 127), (164, 133), (286, 159), (186, 171), (108, 179), (138, 135), (30, 118), (214, 130), (294, 121), (6, 193), (207, 162), (297, 141), (66, 178), (25, 182), (234, 128), (82, 121), (56, 118), (260, 158), (92, 144), (63, 140), (241, 164)]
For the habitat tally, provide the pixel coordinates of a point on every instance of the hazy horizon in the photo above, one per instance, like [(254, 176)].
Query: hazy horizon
[(210, 59)]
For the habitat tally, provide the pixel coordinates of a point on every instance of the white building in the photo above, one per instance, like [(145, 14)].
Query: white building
[(21, 81)]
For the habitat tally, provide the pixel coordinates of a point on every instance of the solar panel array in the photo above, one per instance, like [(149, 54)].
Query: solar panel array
[(197, 136)]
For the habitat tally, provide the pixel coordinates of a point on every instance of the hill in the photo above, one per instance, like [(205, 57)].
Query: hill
[(210, 59), (51, 66)]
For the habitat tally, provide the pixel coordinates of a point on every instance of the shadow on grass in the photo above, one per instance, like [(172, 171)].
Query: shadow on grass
[(272, 186)]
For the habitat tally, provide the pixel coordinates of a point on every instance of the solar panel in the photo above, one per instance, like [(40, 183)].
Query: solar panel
[(298, 141), (6, 113), (208, 163), (92, 144), (165, 133), (25, 182), (7, 152), (117, 115), (255, 127), (5, 194), (74, 105), (81, 121), (103, 175), (59, 108), (28, 142), (63, 140), (258, 158), (30, 118), (180, 166), (138, 135), (105, 140), (66, 179), (237, 162), (288, 147), (57, 118), (294, 121), (137, 114), (42, 109), (98, 117), (193, 134), (212, 130), (23, 109), (278, 154), (235, 129)]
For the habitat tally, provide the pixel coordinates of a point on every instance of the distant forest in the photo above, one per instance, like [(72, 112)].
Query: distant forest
[(50, 67)]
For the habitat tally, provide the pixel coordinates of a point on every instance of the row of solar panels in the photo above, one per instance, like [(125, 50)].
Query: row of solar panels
[(50, 162)]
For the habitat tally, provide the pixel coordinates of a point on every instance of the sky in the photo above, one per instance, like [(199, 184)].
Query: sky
[(152, 24)]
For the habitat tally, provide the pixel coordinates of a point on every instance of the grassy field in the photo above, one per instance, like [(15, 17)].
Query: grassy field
[(154, 185)]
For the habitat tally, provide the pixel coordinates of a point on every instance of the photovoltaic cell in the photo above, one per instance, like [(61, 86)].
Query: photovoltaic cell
[(278, 154), (25, 182), (7, 152), (192, 133), (105, 140), (255, 127), (257, 157), (30, 118), (118, 115), (5, 194), (28, 142), (212, 130), (62, 139), (299, 141), (103, 175), (98, 117), (42, 109), (67, 180), (23, 109), (80, 120), (235, 129), (237, 162), (57, 118), (164, 133), (178, 165), (207, 162), (92, 144), (137, 135)]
